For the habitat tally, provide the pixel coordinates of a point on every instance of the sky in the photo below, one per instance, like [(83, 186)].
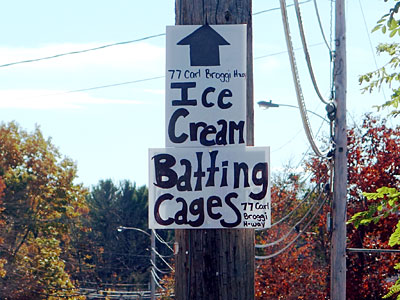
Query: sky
[(107, 131)]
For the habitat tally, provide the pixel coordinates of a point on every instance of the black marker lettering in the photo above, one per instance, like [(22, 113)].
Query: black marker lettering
[(181, 112), (234, 208), (184, 86), (165, 176), (157, 205)]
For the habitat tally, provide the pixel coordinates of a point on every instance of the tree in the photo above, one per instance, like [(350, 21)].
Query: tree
[(387, 74), (42, 205), (383, 200), (2, 261), (123, 256), (301, 270), (111, 258), (373, 161)]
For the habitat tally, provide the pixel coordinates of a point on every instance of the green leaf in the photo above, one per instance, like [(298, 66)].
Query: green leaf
[(393, 290), (395, 237), (383, 29), (365, 221), (377, 27), (392, 24)]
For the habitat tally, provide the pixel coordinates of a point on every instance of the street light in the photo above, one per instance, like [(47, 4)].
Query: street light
[(152, 257), (268, 104)]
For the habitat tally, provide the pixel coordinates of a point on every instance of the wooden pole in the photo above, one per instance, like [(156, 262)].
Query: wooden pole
[(153, 259), (338, 245), (217, 263)]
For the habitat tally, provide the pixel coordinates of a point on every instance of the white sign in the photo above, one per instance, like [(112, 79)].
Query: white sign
[(205, 86), (219, 187)]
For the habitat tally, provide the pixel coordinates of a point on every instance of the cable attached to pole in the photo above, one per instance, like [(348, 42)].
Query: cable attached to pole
[(297, 236), (296, 80), (305, 49)]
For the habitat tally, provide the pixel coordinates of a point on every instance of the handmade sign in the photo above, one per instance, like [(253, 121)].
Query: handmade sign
[(209, 188), (205, 86), (207, 177)]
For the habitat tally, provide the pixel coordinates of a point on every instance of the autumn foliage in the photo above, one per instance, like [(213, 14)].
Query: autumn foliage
[(302, 270), (40, 207), (295, 264), (2, 261), (373, 162)]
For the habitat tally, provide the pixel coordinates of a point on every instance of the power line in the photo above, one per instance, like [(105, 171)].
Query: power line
[(285, 51), (161, 240), (305, 49), (81, 51), (294, 209), (155, 280), (296, 80), (107, 86), (156, 275), (157, 269), (150, 78), (162, 258), (373, 250), (294, 227), (370, 43), (298, 235), (320, 26), (275, 8), (114, 44)]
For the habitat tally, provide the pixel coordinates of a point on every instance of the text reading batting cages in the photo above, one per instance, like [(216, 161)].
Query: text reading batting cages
[(207, 177)]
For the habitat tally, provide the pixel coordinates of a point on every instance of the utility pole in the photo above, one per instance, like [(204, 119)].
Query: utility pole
[(153, 263), (338, 244), (152, 256), (217, 263)]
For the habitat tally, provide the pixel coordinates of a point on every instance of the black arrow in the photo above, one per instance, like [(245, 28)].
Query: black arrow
[(204, 45)]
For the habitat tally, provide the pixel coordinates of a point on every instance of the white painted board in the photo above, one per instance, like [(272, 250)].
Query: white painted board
[(205, 85), (219, 187)]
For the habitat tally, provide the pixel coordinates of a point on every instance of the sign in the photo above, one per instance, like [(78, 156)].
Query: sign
[(207, 177), (219, 187), (205, 86)]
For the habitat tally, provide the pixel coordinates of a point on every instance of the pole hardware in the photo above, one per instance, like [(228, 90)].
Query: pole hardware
[(331, 111)]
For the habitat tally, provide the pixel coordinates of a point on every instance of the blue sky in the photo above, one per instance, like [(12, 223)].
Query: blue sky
[(108, 131)]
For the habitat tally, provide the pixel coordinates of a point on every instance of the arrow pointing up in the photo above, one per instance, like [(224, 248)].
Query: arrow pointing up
[(204, 45)]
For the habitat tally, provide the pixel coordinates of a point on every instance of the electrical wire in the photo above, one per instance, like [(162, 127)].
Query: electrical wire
[(81, 51), (158, 270), (155, 280), (331, 75), (156, 275), (295, 239), (262, 246), (113, 44), (147, 79), (276, 8), (299, 94), (114, 284), (290, 140), (162, 258), (305, 50), (320, 26), (284, 52), (295, 208), (161, 240), (370, 44), (107, 86)]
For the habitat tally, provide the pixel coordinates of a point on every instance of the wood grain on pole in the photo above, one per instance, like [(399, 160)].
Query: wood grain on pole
[(217, 263), (338, 248)]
